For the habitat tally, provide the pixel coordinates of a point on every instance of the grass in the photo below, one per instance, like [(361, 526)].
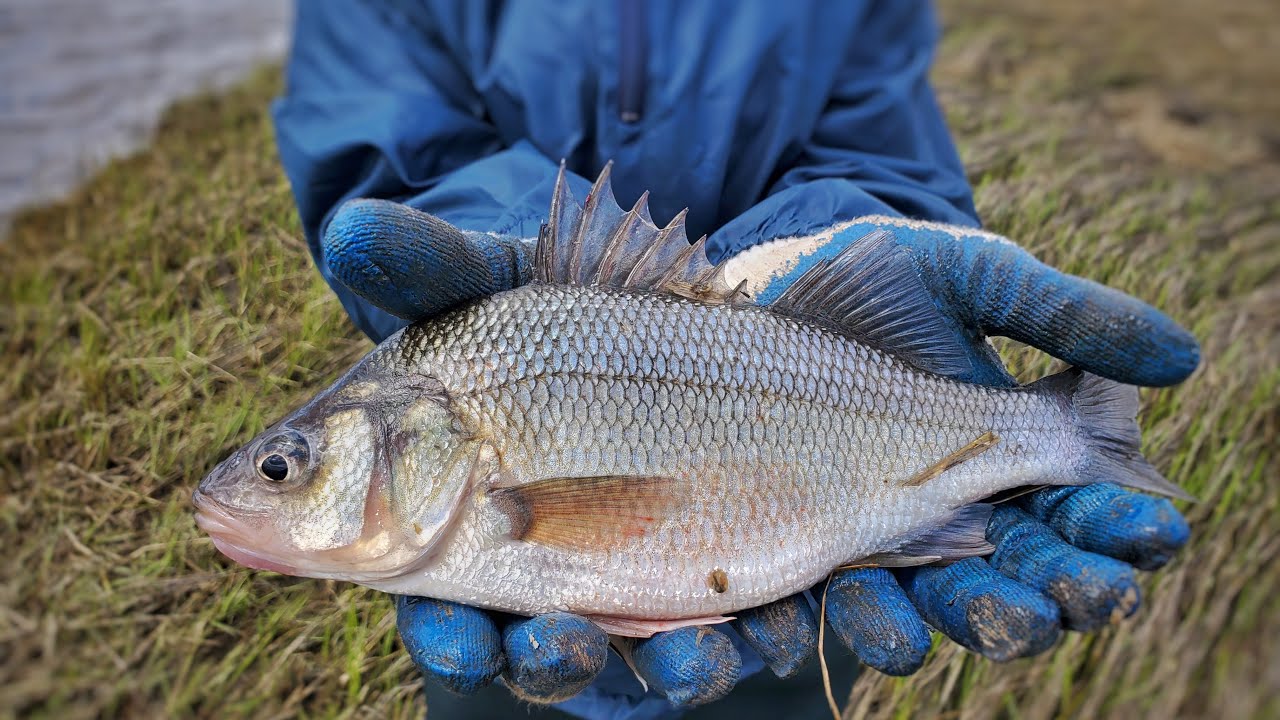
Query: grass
[(168, 310)]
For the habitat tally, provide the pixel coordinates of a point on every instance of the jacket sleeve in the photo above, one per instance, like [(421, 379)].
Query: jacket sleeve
[(880, 147), (379, 103)]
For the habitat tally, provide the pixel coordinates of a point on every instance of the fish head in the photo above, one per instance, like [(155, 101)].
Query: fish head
[(357, 485)]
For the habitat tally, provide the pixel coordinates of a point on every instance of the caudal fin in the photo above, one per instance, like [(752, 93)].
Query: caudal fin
[(1107, 412)]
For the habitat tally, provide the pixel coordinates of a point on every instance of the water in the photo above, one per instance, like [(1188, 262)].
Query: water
[(84, 81)]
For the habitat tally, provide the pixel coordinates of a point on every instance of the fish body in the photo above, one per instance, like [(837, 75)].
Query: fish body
[(787, 449), (649, 458)]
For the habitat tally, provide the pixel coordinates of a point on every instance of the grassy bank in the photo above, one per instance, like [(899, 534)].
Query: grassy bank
[(168, 310)]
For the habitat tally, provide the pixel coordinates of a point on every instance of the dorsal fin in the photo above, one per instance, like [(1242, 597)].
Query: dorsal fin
[(872, 291), (600, 218), (554, 250), (628, 234), (598, 243)]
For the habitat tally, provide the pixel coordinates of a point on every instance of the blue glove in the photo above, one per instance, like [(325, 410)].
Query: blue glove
[(1065, 557)]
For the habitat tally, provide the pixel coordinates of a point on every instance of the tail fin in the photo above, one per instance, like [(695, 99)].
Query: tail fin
[(1107, 412)]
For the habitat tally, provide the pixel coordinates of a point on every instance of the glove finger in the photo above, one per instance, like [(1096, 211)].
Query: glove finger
[(784, 633), (983, 610), (458, 645), (1007, 292), (690, 665), (1090, 589), (1141, 530), (553, 657), (413, 264), (871, 614)]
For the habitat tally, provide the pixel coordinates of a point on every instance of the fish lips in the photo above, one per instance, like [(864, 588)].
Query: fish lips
[(230, 536)]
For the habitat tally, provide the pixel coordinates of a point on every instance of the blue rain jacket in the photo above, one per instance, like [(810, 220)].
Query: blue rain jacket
[(764, 119)]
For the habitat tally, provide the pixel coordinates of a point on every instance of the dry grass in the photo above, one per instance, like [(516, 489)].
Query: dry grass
[(167, 311)]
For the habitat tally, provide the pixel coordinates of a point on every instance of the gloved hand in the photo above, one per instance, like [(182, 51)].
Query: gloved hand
[(1064, 558)]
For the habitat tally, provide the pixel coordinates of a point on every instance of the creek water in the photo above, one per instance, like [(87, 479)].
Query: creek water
[(83, 81)]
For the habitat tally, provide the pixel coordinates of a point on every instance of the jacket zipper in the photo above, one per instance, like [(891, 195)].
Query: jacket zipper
[(632, 52)]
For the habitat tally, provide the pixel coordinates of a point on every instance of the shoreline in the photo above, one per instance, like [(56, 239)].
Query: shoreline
[(84, 83)]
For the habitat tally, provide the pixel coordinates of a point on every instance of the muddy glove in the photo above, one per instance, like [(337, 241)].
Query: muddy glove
[(1064, 557)]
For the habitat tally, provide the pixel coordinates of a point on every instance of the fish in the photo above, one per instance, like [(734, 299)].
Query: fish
[(631, 438)]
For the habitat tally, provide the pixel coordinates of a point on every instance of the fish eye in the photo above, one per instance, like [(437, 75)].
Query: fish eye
[(274, 467), (282, 459)]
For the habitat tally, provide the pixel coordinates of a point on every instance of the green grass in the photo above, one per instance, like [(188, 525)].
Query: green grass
[(169, 310)]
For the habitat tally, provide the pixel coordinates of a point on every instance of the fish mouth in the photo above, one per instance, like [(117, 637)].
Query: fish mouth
[(230, 536), (241, 540)]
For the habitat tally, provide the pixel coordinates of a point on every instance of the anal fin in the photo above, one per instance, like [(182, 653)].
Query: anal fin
[(962, 535)]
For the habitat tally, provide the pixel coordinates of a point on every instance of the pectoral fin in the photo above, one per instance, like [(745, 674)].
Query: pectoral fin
[(589, 513)]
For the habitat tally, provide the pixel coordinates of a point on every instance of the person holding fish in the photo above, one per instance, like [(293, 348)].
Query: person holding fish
[(423, 143)]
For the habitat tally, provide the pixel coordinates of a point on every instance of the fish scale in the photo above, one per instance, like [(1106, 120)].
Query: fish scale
[(790, 442)]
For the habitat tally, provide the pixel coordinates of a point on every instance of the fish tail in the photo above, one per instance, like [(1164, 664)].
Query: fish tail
[(1107, 414)]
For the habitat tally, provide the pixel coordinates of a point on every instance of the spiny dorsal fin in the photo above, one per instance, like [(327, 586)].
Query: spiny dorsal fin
[(598, 243), (554, 251), (600, 217), (872, 290), (628, 234)]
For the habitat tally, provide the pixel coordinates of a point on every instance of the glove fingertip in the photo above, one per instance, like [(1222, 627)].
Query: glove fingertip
[(983, 610), (1141, 530), (455, 644), (412, 264), (873, 617), (354, 234), (690, 666), (1085, 323), (553, 657), (1091, 590), (784, 634), (1129, 340)]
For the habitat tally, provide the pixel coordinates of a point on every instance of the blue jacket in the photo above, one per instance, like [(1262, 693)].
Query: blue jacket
[(764, 119)]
